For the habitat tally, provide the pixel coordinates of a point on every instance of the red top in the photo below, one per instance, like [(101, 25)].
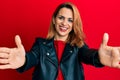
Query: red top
[(59, 46)]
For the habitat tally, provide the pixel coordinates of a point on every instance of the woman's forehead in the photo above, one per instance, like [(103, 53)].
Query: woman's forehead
[(66, 12)]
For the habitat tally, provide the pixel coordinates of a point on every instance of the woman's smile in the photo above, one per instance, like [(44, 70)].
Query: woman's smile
[(63, 28)]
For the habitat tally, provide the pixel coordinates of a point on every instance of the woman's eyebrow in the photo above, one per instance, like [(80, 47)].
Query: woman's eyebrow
[(65, 17)]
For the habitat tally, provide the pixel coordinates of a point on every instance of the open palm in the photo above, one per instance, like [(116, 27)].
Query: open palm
[(12, 58), (109, 56)]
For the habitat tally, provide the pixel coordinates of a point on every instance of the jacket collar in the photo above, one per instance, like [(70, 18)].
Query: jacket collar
[(51, 52)]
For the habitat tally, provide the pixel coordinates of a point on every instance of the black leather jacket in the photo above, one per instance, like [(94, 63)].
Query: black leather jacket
[(43, 57)]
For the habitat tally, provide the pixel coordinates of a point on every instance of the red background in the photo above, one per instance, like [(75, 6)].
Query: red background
[(31, 18)]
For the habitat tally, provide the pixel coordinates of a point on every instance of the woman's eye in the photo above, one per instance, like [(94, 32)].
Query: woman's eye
[(61, 17), (70, 20)]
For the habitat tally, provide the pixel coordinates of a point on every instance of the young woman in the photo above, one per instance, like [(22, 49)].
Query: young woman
[(59, 56)]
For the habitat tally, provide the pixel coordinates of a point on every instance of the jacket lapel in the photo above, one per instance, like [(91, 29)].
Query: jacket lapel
[(51, 52), (67, 52)]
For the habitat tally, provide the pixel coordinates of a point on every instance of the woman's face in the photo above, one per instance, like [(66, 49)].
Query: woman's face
[(63, 23)]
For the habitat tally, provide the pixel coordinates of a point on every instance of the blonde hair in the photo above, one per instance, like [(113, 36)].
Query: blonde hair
[(76, 36)]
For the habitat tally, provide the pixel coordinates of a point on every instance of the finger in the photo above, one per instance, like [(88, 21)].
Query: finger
[(6, 66), (105, 39), (4, 61), (18, 41), (4, 50), (116, 58), (4, 55)]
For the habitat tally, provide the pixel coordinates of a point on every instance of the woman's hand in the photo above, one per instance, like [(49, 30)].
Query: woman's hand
[(109, 56), (12, 58)]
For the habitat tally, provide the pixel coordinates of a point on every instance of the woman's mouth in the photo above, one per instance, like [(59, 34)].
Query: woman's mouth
[(63, 29)]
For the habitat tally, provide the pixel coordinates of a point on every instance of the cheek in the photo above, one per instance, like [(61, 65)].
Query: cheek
[(57, 21), (71, 27), (56, 27)]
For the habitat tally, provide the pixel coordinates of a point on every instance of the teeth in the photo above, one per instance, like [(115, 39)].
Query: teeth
[(64, 28)]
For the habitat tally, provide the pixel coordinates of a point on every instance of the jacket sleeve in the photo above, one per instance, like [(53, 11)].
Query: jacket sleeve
[(89, 56), (32, 57)]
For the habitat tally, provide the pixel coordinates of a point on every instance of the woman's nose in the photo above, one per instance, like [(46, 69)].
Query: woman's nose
[(64, 22)]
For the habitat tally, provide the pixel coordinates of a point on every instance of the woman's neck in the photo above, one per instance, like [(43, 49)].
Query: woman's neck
[(60, 38)]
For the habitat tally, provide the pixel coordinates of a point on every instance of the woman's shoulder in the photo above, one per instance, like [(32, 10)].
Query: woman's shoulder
[(41, 39)]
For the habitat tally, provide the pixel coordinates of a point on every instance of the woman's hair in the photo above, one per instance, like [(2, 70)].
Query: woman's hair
[(76, 36)]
